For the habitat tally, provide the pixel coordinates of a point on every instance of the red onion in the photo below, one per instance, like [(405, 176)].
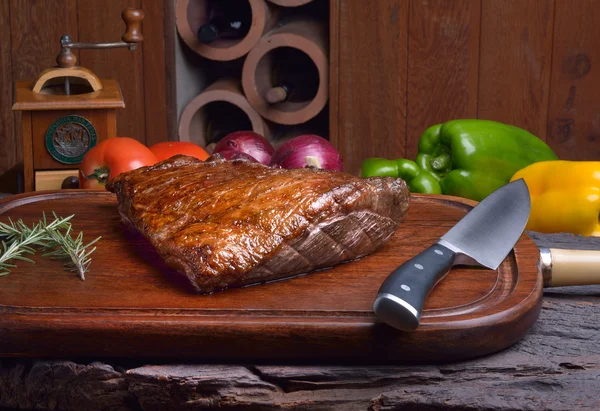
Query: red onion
[(308, 150), (245, 144), (236, 155)]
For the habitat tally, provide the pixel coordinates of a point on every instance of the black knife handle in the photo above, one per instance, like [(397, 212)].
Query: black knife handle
[(400, 299)]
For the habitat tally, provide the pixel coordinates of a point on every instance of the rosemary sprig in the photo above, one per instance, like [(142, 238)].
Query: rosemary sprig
[(54, 238), (20, 238), (14, 251)]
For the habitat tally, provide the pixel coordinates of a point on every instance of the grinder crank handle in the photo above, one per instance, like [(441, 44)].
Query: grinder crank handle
[(133, 25), (402, 295)]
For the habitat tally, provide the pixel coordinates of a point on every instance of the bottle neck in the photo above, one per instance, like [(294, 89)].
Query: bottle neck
[(279, 93), (207, 33), (226, 20)]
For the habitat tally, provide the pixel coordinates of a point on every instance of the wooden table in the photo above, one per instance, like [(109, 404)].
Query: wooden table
[(556, 366)]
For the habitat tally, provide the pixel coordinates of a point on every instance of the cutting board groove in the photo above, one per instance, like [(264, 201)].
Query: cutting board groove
[(131, 304)]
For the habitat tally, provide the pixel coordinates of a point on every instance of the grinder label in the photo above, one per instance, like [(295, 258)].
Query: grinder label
[(69, 138)]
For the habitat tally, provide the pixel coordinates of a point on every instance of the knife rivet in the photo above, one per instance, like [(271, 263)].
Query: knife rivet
[(439, 252), (419, 266), (405, 287)]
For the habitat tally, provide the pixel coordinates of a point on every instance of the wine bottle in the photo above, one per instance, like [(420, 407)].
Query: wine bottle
[(286, 74), (227, 19), (239, 23), (295, 77)]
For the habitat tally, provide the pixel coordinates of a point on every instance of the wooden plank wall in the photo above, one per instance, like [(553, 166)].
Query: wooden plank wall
[(403, 65), (9, 149), (408, 64), (369, 72), (30, 31)]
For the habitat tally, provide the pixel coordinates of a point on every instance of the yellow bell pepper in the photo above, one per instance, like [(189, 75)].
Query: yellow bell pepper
[(565, 196)]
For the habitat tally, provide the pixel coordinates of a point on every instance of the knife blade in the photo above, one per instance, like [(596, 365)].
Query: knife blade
[(483, 237)]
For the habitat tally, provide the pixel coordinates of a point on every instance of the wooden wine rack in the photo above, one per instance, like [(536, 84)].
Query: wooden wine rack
[(191, 14), (238, 72), (194, 117), (290, 3), (310, 38)]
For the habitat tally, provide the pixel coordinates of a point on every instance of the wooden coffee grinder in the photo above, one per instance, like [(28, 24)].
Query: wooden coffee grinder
[(67, 110)]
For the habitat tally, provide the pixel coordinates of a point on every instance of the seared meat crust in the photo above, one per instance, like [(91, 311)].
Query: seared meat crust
[(231, 223)]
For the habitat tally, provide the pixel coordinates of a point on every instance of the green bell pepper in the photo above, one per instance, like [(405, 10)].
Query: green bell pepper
[(473, 158), (417, 179), (467, 158)]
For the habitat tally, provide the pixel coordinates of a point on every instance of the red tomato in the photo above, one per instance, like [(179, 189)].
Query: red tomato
[(110, 158), (168, 149)]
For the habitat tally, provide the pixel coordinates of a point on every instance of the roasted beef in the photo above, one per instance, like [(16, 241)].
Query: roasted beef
[(232, 223)]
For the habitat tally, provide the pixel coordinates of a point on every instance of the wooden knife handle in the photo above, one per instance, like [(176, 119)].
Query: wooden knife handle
[(561, 267)]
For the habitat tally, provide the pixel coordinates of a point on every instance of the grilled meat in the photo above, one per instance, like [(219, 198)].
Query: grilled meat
[(231, 223)]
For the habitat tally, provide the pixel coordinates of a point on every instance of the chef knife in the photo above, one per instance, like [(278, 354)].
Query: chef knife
[(483, 237)]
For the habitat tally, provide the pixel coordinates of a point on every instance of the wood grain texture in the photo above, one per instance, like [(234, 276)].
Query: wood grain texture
[(31, 43), (515, 62), (26, 132), (563, 240), (53, 180), (122, 308), (42, 82), (334, 71), (443, 64), (372, 80), (574, 117), (555, 367), (154, 71), (36, 28), (8, 134), (171, 70), (100, 21), (35, 31), (108, 97)]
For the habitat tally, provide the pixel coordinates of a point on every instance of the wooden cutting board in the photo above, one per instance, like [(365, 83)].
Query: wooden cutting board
[(131, 306)]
